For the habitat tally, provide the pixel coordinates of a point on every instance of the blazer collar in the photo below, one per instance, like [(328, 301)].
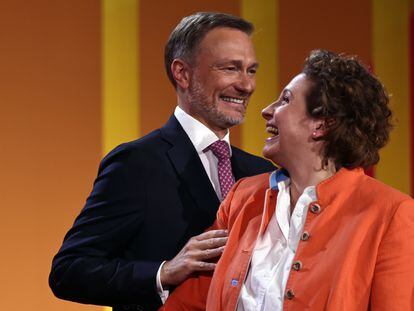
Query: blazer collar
[(339, 186), (241, 164)]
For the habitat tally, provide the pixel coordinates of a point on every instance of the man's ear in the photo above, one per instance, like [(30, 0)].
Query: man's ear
[(181, 73)]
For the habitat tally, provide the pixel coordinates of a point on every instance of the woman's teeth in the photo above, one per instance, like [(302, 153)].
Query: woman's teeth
[(272, 130)]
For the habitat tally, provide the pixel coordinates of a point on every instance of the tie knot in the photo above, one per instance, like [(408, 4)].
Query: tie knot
[(220, 149)]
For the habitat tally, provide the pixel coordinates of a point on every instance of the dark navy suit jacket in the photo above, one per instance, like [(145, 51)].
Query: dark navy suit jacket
[(150, 196)]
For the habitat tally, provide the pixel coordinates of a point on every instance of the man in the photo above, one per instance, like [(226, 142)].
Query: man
[(153, 194)]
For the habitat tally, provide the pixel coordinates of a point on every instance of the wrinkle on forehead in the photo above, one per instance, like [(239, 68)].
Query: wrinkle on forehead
[(227, 44)]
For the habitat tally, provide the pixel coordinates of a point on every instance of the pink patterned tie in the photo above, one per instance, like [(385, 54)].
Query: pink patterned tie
[(221, 150)]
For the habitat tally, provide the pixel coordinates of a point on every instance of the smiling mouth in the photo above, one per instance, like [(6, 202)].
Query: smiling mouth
[(273, 131), (234, 100)]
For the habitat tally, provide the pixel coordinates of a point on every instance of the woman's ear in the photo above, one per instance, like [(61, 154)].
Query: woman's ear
[(319, 129), (181, 73)]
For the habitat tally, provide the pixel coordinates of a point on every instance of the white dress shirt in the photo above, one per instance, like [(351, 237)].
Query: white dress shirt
[(274, 252), (201, 137)]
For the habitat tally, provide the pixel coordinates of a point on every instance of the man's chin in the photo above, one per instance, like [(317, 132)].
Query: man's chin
[(233, 118), (230, 122)]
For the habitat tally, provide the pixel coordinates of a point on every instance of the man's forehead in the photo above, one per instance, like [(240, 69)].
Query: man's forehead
[(226, 42), (225, 34)]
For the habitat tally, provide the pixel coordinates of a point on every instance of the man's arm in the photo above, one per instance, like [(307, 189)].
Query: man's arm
[(393, 283), (192, 293), (194, 256), (92, 265)]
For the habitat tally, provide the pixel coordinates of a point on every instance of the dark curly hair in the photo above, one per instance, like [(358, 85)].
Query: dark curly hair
[(354, 105)]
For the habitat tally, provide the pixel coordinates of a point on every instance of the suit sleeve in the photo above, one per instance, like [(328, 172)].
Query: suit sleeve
[(91, 266), (192, 293), (393, 283)]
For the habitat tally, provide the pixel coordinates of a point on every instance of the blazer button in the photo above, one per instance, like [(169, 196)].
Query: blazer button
[(315, 208), (305, 236), (297, 265), (290, 294)]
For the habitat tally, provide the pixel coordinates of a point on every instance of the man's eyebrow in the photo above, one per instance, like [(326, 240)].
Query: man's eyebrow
[(255, 65), (235, 62)]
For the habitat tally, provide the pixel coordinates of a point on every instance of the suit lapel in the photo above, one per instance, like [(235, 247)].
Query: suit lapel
[(239, 168), (189, 168)]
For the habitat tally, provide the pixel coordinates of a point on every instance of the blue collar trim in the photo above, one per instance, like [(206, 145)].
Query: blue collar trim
[(278, 176)]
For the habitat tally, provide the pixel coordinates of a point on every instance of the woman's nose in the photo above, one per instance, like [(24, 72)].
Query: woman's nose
[(267, 112)]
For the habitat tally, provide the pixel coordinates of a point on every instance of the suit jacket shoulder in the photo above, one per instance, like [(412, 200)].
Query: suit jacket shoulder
[(245, 164)]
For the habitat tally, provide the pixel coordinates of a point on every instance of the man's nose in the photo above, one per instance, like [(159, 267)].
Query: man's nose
[(246, 83)]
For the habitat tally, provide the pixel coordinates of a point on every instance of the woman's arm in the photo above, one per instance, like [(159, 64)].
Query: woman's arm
[(393, 283)]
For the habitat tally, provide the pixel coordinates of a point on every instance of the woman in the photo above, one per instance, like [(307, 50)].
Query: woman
[(318, 234)]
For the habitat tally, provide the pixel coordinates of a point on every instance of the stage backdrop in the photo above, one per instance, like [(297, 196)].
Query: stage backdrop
[(79, 77)]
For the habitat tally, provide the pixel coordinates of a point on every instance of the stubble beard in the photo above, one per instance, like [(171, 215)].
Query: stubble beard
[(199, 101)]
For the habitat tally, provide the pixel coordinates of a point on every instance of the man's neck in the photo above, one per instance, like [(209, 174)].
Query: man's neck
[(219, 132)]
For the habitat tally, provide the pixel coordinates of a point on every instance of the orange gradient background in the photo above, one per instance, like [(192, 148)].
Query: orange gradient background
[(57, 97)]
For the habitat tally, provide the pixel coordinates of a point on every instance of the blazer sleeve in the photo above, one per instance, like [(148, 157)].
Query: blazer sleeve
[(90, 267), (393, 282), (192, 293)]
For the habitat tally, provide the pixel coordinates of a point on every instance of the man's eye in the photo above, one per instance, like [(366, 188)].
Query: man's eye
[(252, 71), (230, 68)]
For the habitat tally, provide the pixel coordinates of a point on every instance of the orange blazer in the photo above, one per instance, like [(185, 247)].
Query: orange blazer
[(356, 251)]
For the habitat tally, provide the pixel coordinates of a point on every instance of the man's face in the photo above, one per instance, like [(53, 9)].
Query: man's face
[(222, 78)]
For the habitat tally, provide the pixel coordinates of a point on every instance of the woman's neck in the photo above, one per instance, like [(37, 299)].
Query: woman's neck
[(303, 177)]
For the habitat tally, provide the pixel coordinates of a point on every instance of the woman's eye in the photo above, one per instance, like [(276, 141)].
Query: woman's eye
[(285, 100)]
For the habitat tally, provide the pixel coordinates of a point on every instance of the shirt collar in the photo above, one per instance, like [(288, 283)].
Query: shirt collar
[(278, 176), (200, 135), (281, 179)]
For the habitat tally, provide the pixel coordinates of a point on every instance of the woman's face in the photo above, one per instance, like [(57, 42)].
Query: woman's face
[(289, 125)]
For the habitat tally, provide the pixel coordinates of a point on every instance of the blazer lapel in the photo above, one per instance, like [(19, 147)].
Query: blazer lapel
[(239, 168), (189, 168)]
